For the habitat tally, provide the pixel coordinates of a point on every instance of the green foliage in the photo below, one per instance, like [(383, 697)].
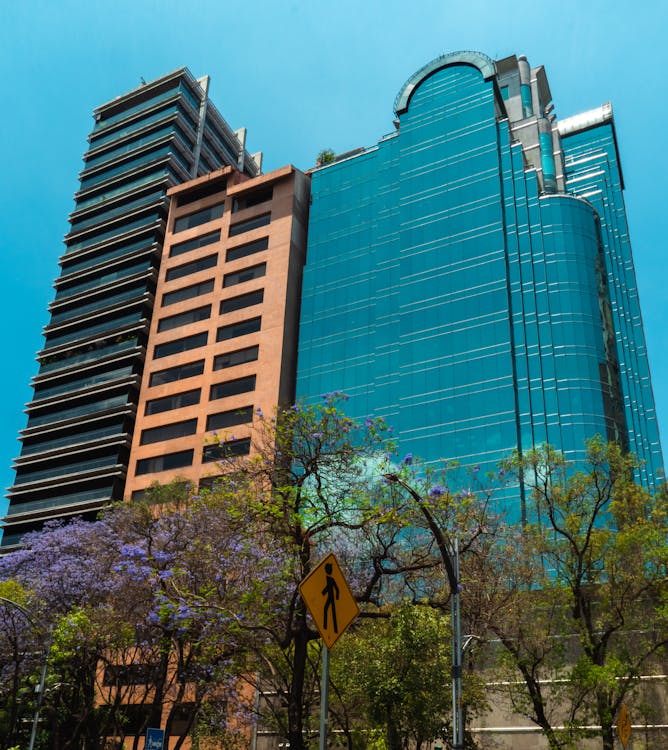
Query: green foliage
[(595, 556), (174, 494), (326, 156), (394, 673)]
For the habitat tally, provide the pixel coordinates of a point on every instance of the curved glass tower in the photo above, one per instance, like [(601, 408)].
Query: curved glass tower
[(470, 278)]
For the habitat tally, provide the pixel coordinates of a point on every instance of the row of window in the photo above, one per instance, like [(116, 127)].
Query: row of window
[(192, 369), (201, 264), (210, 261), (198, 314), (198, 340), (181, 459), (227, 388), (205, 215), (219, 421)]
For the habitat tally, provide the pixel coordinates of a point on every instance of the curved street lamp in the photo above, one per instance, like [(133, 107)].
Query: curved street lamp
[(449, 551), (42, 680)]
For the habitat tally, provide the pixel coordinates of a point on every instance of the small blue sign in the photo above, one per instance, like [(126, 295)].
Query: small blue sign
[(154, 739)]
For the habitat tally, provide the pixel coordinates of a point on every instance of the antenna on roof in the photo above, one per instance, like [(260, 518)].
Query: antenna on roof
[(143, 82)]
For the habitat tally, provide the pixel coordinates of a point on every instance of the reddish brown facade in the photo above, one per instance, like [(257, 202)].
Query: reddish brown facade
[(222, 342)]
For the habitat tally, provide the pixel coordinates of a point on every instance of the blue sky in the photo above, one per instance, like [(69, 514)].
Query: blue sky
[(301, 77)]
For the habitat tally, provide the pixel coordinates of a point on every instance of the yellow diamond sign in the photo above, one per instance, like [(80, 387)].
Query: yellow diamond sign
[(329, 599)]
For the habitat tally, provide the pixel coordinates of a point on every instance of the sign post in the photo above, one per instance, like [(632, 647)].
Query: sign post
[(333, 608)]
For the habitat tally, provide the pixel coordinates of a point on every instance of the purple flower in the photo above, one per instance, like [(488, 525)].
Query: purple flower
[(437, 491), (408, 459)]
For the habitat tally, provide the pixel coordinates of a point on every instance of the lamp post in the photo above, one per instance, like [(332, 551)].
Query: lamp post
[(449, 551), (42, 680)]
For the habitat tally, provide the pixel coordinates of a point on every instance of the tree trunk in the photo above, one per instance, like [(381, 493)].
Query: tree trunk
[(296, 696), (393, 736)]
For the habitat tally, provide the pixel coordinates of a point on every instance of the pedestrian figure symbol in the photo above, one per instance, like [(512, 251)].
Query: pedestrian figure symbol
[(329, 599), (331, 592)]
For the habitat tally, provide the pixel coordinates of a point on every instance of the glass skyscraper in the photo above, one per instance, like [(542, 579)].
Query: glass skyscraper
[(76, 443), (469, 278)]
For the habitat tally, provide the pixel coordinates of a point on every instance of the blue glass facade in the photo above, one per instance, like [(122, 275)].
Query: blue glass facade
[(459, 285), (77, 439), (593, 170)]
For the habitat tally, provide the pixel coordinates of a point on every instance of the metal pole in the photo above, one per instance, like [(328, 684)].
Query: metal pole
[(38, 703), (450, 556), (457, 703), (324, 697)]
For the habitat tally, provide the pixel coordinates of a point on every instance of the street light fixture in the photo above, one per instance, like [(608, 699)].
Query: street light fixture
[(449, 551), (42, 680)]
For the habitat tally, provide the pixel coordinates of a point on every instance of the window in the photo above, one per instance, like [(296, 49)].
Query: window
[(182, 718), (243, 251), (175, 401), (184, 318), (243, 300), (169, 431), (130, 674), (241, 328), (232, 387), (188, 245), (229, 418), (246, 226), (187, 292), (198, 217), (246, 274), (227, 449), (180, 372), (178, 272), (204, 191), (209, 483), (237, 357), (165, 462), (252, 199), (180, 345)]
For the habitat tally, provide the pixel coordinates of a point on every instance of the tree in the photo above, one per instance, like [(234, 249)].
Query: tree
[(143, 606), (183, 604), (20, 658), (307, 484), (392, 673), (326, 156), (66, 571), (593, 562)]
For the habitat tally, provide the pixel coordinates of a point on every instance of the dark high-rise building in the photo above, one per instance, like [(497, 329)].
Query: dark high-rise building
[(470, 279), (80, 422)]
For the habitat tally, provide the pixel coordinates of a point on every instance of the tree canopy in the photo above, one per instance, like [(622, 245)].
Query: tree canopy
[(183, 610)]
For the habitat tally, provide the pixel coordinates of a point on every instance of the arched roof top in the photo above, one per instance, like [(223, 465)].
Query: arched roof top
[(484, 64)]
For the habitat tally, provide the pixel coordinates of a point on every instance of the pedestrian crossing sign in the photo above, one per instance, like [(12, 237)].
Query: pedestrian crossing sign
[(329, 600)]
